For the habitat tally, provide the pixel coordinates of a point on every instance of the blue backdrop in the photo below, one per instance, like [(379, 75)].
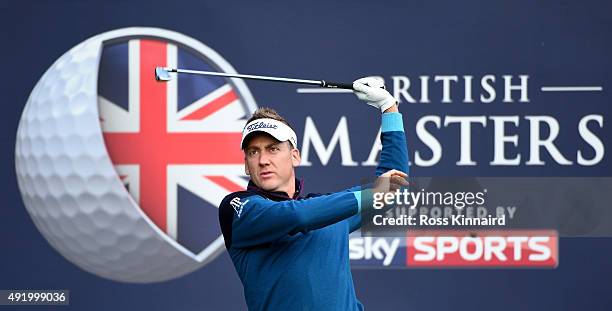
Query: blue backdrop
[(553, 42)]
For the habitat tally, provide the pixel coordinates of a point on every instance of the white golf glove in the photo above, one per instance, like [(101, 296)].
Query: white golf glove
[(372, 90)]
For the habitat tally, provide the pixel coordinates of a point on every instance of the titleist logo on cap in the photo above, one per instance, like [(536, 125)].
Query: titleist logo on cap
[(261, 125)]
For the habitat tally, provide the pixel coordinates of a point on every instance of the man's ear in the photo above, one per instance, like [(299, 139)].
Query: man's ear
[(246, 169), (296, 159)]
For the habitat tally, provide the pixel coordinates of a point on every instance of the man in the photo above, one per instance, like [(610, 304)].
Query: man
[(291, 250)]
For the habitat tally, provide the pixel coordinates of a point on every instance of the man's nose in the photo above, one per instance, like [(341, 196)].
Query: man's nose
[(264, 159)]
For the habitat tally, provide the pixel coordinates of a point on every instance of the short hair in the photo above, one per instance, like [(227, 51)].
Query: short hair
[(267, 113)]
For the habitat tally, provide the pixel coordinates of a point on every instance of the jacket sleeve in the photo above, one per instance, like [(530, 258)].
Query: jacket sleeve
[(394, 154), (249, 220)]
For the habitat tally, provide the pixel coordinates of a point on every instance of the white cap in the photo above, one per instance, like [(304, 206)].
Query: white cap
[(278, 130)]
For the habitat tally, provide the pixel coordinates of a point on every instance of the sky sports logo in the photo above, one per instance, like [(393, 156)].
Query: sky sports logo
[(458, 249)]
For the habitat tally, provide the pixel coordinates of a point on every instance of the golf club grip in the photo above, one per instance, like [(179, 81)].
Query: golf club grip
[(336, 85)]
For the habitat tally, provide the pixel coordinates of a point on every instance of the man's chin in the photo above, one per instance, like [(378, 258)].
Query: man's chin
[(268, 185), (270, 188)]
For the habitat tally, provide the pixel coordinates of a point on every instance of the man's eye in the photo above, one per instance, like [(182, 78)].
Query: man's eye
[(274, 149), (251, 153)]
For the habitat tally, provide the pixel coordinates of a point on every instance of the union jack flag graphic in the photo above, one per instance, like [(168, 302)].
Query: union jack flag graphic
[(174, 144)]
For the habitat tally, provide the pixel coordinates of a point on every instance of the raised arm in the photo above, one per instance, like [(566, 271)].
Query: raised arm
[(394, 153)]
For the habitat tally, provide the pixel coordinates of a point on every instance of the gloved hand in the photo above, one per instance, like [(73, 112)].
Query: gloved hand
[(372, 90)]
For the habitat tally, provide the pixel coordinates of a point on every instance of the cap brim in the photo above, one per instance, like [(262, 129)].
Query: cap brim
[(278, 135)]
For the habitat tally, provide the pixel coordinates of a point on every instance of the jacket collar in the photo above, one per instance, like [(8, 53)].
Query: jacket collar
[(278, 195)]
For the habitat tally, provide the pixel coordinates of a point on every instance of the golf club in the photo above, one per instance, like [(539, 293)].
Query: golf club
[(163, 74)]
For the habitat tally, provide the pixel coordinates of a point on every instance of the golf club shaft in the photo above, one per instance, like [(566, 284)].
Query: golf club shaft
[(321, 83)]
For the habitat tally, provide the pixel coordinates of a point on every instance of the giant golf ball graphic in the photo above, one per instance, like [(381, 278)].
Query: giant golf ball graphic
[(68, 182)]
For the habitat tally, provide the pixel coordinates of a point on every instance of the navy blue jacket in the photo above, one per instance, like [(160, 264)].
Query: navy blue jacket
[(291, 253)]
